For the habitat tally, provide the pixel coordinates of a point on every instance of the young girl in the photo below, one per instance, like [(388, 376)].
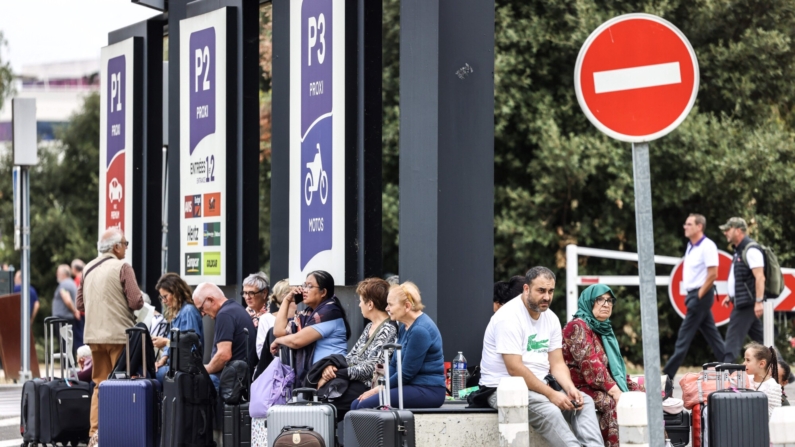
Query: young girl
[(761, 362)]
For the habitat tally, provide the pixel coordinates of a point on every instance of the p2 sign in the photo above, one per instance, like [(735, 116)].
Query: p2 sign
[(116, 139), (203, 145), (317, 138)]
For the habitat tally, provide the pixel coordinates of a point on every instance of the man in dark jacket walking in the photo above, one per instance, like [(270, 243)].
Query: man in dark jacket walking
[(746, 288)]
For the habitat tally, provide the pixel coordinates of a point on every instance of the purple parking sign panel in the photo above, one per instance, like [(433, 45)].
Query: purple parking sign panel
[(316, 61), (117, 104), (316, 146), (202, 85)]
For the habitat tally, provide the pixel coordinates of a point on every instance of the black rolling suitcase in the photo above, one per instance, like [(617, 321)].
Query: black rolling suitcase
[(737, 417), (385, 426), (55, 410), (236, 394), (678, 428), (189, 398)]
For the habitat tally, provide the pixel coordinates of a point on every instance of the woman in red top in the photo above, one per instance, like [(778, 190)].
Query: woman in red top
[(591, 352)]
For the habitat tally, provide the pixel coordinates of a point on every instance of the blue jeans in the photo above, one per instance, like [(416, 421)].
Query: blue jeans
[(414, 396), (161, 373), (216, 381)]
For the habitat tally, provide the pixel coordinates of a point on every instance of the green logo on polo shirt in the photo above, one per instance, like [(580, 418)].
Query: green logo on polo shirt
[(534, 345)]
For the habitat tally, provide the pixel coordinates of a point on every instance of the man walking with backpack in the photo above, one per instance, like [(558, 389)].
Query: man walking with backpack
[(750, 282)]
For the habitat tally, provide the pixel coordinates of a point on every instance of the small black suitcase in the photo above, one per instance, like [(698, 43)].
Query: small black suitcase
[(236, 419), (678, 428), (737, 417), (55, 410), (237, 425), (385, 426), (189, 400)]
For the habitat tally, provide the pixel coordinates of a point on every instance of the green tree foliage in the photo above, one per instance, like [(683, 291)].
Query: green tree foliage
[(6, 76), (559, 181), (63, 202)]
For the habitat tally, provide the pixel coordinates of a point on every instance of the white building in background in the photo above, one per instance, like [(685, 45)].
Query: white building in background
[(59, 89)]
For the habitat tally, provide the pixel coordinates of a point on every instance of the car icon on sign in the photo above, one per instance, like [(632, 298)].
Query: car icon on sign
[(115, 191)]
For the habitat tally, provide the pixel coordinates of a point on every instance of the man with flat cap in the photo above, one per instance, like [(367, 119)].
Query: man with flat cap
[(746, 287)]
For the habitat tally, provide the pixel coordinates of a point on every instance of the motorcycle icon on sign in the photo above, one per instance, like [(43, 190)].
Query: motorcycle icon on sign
[(316, 179)]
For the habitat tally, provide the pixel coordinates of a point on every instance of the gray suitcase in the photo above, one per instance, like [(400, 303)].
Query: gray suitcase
[(320, 416)]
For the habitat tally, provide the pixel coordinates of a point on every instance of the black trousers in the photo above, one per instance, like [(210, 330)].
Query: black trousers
[(698, 318), (742, 322)]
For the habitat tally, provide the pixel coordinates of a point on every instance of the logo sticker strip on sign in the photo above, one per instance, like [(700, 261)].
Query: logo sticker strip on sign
[(636, 77), (203, 94), (116, 139)]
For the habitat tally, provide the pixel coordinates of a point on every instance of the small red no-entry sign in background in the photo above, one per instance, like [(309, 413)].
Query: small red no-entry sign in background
[(636, 77)]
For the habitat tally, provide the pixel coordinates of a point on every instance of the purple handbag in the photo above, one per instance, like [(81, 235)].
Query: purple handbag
[(272, 387)]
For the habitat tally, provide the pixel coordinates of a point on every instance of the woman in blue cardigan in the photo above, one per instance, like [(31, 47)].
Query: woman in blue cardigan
[(179, 311), (423, 362)]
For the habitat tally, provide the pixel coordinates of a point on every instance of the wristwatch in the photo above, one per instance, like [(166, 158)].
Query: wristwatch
[(760, 300)]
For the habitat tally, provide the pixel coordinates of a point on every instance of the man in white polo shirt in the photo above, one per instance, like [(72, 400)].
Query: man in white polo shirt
[(698, 276), (523, 339)]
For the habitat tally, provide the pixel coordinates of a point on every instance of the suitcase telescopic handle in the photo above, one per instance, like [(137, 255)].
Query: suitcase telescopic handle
[(173, 352), (709, 365), (130, 331), (388, 395), (305, 390), (297, 427), (730, 367)]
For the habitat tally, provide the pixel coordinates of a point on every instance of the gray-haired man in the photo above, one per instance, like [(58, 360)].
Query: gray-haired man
[(108, 294)]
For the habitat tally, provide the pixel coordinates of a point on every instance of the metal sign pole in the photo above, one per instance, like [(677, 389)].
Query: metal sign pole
[(648, 292), (24, 373)]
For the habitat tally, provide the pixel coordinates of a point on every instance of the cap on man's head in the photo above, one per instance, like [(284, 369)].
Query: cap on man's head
[(735, 222)]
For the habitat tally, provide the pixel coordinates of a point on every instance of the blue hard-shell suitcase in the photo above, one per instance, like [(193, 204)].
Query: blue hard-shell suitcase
[(129, 409)]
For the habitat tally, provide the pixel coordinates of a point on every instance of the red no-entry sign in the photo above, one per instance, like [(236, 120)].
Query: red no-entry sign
[(636, 77)]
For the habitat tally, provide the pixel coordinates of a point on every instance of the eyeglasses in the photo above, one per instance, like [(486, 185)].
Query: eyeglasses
[(605, 301), (125, 243), (201, 308), (309, 286), (246, 293)]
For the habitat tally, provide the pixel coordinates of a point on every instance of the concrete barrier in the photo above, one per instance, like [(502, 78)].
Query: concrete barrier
[(512, 412), (633, 421), (782, 427)]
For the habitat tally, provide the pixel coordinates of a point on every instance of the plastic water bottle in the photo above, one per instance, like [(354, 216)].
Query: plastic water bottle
[(459, 375), (668, 443)]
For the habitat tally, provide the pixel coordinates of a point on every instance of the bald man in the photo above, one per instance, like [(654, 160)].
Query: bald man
[(230, 320), (108, 295)]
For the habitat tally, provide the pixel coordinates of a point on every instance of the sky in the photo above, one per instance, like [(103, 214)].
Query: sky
[(42, 31)]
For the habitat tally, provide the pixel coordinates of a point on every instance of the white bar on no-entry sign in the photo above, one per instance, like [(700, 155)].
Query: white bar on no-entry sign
[(637, 77)]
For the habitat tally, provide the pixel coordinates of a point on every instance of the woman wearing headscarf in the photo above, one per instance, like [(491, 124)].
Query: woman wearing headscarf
[(316, 332), (591, 352)]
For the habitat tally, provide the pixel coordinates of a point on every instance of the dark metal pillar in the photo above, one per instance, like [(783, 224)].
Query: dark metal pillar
[(280, 142), (447, 164)]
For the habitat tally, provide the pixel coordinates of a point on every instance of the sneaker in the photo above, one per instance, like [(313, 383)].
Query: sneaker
[(94, 440)]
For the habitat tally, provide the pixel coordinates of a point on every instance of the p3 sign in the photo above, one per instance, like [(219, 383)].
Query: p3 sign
[(317, 129), (116, 138), (317, 137)]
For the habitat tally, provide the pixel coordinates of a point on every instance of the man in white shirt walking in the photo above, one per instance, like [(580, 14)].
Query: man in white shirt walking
[(746, 288), (524, 340), (698, 275)]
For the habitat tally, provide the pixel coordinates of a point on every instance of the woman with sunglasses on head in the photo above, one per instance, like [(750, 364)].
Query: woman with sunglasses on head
[(256, 289), (421, 354), (316, 332), (179, 311), (591, 351)]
